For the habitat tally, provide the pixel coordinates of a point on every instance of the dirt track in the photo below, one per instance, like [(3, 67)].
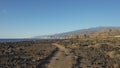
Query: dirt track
[(62, 59)]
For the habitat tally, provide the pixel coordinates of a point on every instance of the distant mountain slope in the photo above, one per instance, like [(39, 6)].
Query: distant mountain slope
[(81, 31)]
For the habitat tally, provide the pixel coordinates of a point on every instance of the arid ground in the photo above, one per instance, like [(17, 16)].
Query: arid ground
[(66, 53)]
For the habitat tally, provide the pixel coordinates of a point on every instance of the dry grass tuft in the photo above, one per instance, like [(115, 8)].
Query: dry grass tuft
[(113, 54)]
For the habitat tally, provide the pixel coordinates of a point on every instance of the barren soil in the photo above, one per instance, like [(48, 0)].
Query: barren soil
[(62, 59)]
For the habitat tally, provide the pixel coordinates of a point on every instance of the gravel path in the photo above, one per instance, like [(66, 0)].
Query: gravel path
[(62, 59)]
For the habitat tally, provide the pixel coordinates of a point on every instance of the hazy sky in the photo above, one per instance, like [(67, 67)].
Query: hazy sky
[(27, 18)]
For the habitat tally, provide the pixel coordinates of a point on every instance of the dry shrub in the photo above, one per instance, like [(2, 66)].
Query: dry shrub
[(114, 54), (116, 65)]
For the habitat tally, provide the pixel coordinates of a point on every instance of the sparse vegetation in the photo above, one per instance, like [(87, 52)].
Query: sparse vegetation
[(90, 51)]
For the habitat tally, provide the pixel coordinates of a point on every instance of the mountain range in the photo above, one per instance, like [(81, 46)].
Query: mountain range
[(81, 31)]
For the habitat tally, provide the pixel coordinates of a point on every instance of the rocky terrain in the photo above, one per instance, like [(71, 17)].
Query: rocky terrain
[(25, 54), (104, 56), (95, 50), (67, 53), (94, 53)]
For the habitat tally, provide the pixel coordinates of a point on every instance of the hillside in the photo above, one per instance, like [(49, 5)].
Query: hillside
[(77, 32)]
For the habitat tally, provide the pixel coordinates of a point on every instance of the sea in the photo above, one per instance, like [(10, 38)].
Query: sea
[(18, 40), (29, 39)]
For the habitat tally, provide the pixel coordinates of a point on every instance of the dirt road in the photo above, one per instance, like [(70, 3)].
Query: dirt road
[(62, 59)]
